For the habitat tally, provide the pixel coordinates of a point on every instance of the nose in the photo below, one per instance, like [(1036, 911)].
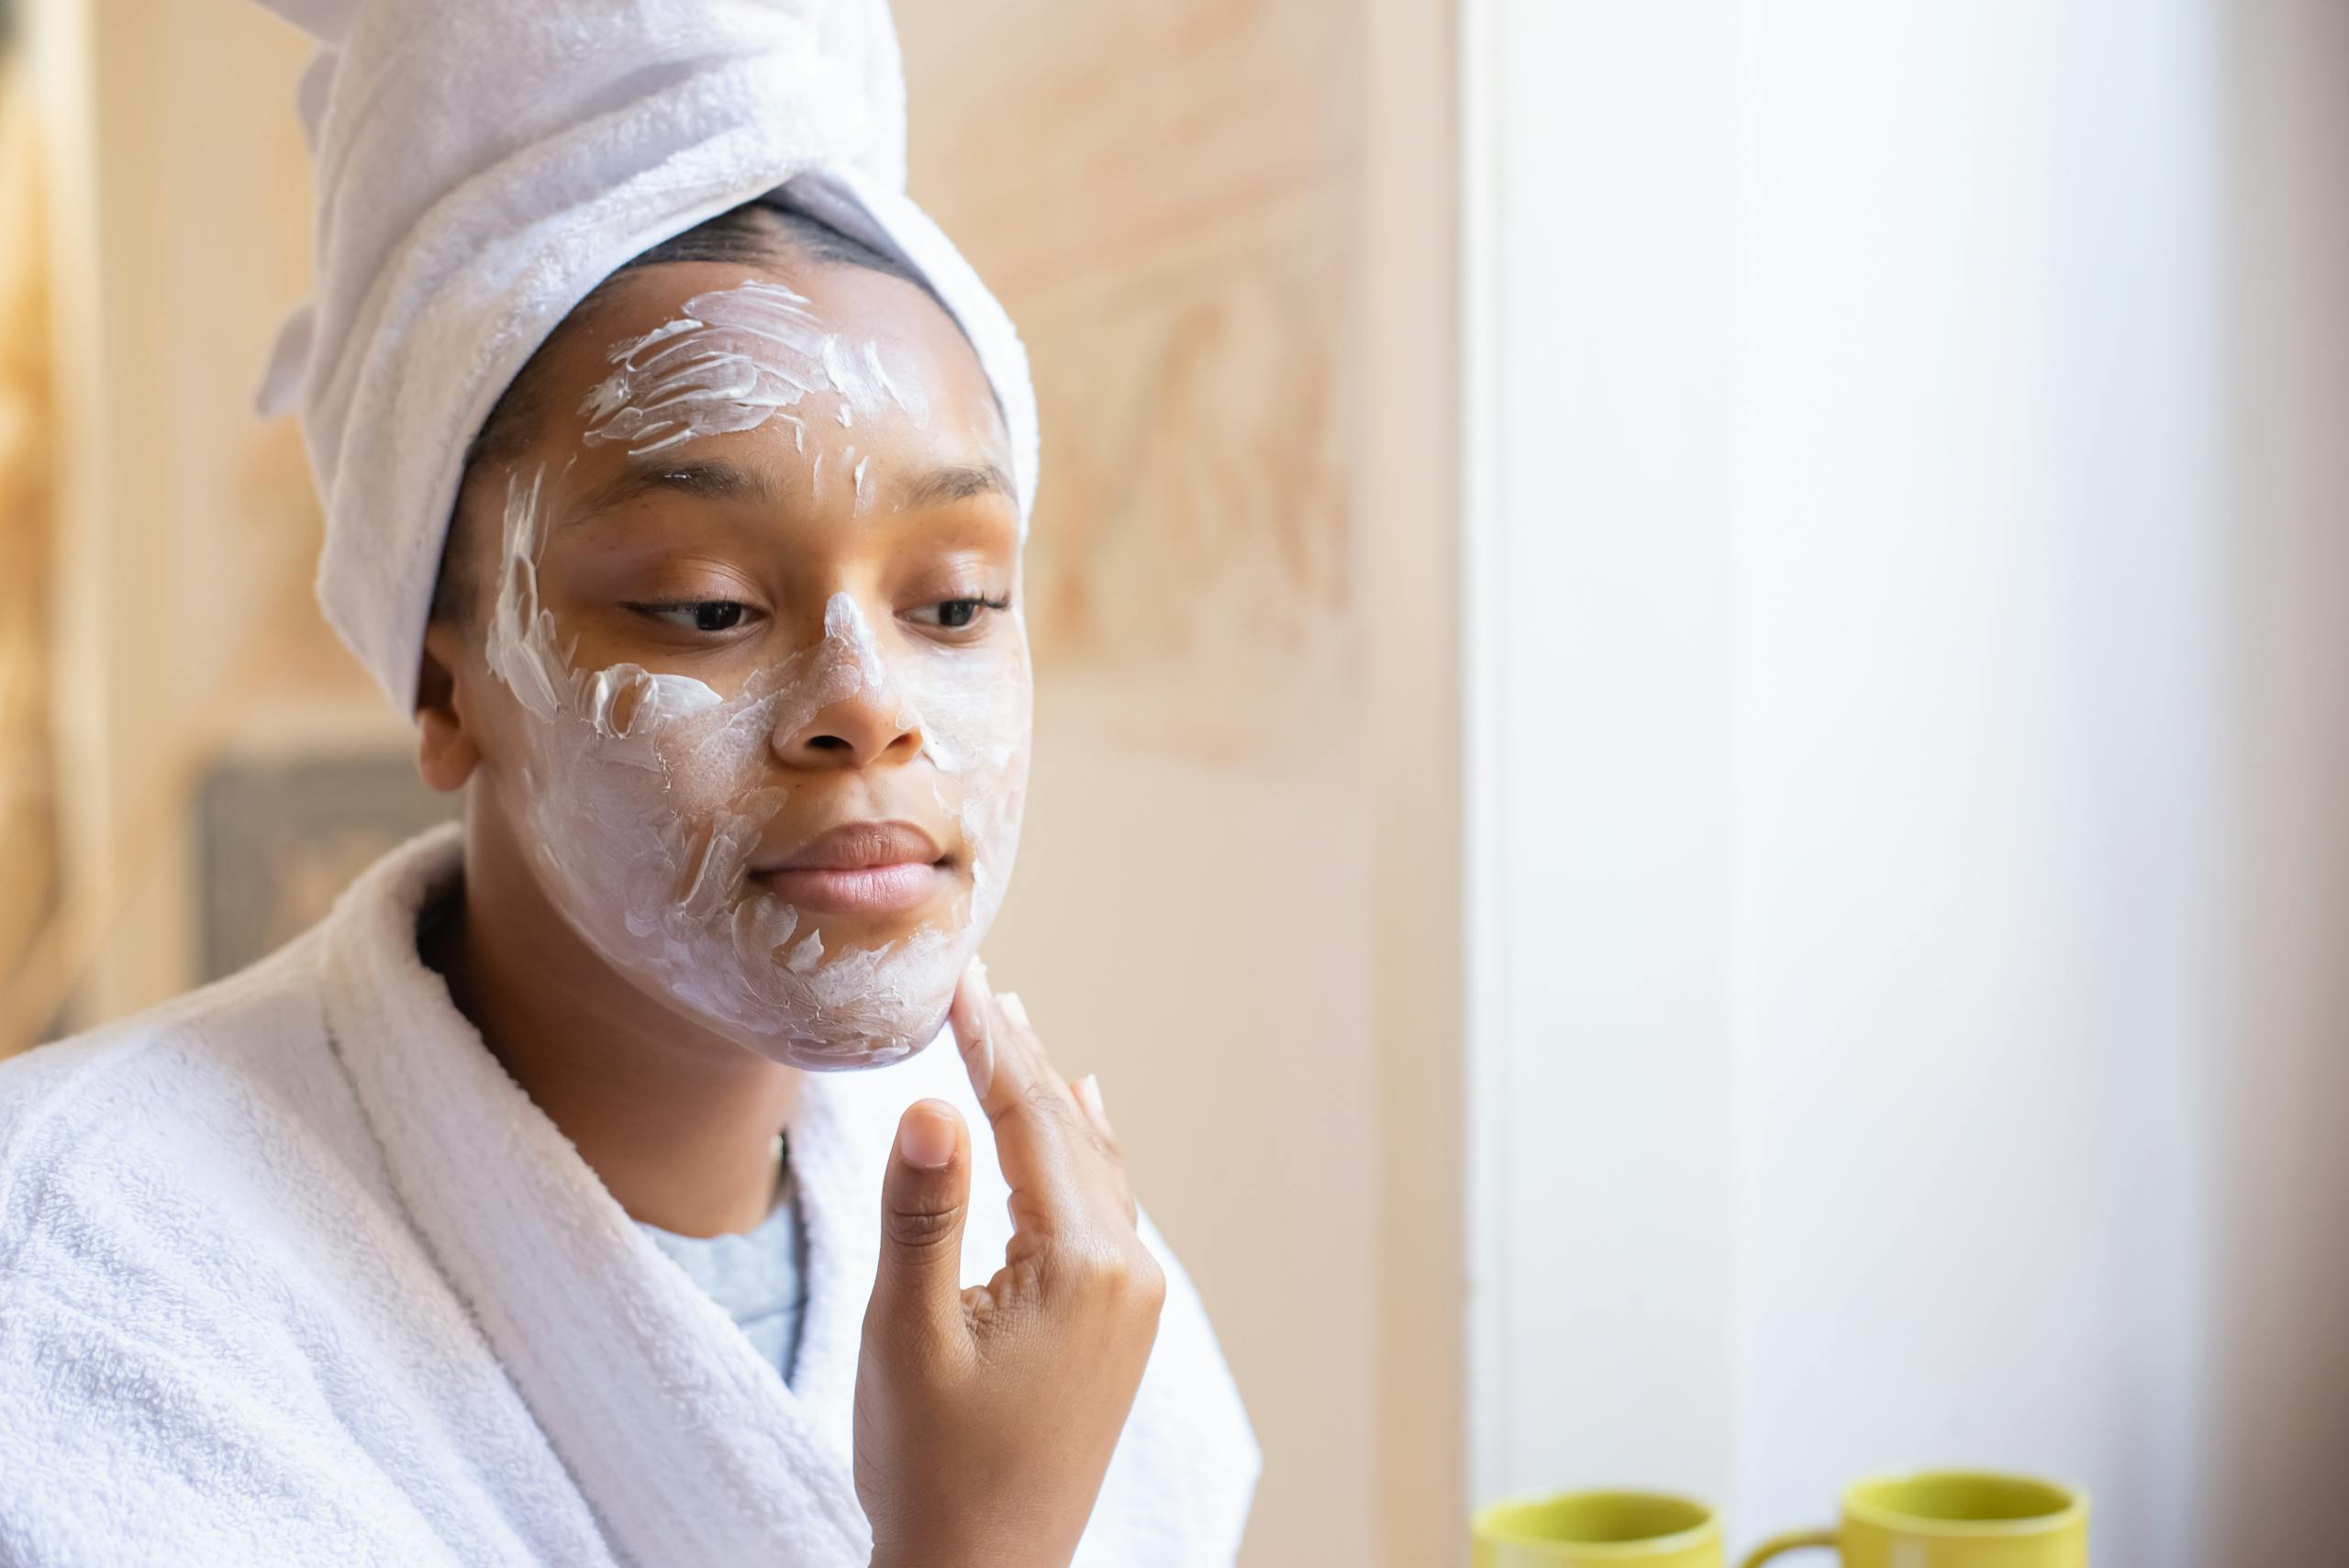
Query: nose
[(872, 723), (855, 732)]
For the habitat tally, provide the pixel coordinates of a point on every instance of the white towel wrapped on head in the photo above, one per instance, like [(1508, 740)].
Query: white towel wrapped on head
[(482, 166)]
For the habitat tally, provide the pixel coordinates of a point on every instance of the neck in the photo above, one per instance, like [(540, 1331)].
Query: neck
[(678, 1123)]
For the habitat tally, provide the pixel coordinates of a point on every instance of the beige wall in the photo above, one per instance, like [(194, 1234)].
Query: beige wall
[(184, 623), (1235, 898), (29, 789)]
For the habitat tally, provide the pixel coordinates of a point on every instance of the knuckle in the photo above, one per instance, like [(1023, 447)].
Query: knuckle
[(1042, 1101), (1034, 1109), (921, 1227), (1149, 1282), (1122, 1274)]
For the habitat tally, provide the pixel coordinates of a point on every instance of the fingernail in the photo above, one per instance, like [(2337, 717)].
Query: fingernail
[(1088, 1089), (925, 1137), (1015, 1009)]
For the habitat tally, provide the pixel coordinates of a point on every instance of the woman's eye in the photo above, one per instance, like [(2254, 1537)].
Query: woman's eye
[(957, 615), (698, 615)]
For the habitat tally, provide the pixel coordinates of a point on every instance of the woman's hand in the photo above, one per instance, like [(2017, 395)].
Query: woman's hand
[(986, 1418)]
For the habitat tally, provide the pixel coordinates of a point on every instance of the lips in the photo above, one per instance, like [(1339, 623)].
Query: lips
[(853, 846), (861, 868)]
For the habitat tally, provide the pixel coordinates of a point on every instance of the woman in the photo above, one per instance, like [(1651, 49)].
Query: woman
[(601, 1181)]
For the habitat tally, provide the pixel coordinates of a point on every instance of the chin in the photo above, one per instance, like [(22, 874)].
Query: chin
[(848, 935), (852, 1053), (877, 999)]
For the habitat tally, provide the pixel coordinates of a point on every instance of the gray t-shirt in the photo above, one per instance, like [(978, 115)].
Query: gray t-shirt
[(756, 1275)]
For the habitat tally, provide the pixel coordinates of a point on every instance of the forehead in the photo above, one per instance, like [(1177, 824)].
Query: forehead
[(856, 303)]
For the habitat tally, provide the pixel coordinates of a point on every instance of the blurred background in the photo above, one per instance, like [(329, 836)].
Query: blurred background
[(1760, 594)]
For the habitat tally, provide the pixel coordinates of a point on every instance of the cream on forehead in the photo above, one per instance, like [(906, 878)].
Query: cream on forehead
[(737, 358), (647, 797)]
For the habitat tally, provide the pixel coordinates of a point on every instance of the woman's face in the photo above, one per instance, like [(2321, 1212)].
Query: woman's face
[(748, 616)]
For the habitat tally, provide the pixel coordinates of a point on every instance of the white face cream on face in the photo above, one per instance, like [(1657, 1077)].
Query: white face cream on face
[(742, 356), (649, 800)]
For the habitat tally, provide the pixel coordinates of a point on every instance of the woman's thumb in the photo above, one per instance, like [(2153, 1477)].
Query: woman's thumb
[(924, 1199)]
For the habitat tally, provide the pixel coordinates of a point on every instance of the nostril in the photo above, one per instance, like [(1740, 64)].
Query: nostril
[(829, 743)]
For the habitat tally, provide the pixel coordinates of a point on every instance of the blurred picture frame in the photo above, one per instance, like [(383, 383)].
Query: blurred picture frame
[(277, 841)]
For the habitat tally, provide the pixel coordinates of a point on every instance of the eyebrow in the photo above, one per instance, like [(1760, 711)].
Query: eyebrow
[(958, 482), (709, 479), (705, 480)]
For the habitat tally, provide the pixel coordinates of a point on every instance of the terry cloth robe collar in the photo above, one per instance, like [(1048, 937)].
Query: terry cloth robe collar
[(616, 1353)]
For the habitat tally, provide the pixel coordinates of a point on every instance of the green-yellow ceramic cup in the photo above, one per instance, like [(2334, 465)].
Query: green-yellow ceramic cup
[(1597, 1530), (1952, 1518)]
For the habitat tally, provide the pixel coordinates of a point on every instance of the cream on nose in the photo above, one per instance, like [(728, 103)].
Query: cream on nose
[(872, 716)]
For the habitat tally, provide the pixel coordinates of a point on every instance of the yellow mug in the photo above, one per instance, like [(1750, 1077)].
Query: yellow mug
[(1597, 1530), (1952, 1518)]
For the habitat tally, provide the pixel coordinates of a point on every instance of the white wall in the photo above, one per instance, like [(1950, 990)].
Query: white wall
[(1599, 424), (1911, 575), (1976, 684)]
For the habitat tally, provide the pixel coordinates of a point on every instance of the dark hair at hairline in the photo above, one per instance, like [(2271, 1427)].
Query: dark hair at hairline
[(756, 233)]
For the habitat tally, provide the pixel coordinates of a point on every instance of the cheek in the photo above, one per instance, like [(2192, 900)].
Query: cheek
[(509, 737), (697, 753), (975, 718), (711, 757), (985, 726)]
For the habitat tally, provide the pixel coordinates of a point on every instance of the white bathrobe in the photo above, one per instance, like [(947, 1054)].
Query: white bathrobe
[(292, 1272)]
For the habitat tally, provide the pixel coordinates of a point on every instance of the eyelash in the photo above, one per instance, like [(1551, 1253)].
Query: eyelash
[(699, 608), (977, 604)]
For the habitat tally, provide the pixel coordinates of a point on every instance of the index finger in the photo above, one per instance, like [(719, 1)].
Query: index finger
[(1037, 1136)]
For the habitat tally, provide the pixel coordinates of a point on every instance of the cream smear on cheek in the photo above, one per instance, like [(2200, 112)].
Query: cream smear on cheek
[(646, 795)]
